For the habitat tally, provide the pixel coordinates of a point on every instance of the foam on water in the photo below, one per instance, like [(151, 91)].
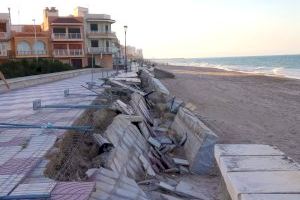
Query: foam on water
[(283, 66)]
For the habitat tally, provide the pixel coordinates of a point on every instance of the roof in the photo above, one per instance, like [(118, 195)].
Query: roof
[(63, 20)]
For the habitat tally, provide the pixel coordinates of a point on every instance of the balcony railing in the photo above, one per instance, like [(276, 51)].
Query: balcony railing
[(99, 50), (4, 35), (68, 52), (3, 53), (99, 34), (66, 36), (31, 53)]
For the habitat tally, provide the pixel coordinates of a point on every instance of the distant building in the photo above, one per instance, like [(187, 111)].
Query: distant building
[(5, 36), (79, 39)]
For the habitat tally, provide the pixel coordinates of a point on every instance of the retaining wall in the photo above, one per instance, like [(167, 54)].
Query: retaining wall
[(22, 82)]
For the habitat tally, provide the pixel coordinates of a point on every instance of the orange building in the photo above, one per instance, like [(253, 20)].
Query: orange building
[(79, 40), (29, 41)]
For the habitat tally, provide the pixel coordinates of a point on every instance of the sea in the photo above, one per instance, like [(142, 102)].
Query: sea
[(283, 65)]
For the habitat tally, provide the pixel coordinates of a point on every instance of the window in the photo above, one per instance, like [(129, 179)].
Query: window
[(106, 28), (59, 30), (94, 27), (39, 47), (107, 43), (2, 27), (23, 46), (94, 43), (74, 30)]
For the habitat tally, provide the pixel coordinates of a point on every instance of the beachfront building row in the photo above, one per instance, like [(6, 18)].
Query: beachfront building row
[(79, 39)]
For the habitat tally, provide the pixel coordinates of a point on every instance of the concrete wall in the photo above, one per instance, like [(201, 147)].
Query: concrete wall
[(199, 146), (18, 83)]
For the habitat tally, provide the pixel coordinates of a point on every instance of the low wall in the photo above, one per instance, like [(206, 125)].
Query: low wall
[(257, 172), (22, 82)]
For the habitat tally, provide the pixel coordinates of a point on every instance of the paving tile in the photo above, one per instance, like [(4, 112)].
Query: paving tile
[(8, 152), (8, 183), (270, 196), (73, 188), (18, 166), (34, 189)]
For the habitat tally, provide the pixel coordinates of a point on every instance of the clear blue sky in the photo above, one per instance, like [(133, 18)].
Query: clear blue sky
[(189, 28)]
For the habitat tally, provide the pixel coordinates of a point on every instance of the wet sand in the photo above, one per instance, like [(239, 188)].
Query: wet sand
[(241, 107)]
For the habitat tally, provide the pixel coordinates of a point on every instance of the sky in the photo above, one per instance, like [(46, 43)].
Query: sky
[(188, 28)]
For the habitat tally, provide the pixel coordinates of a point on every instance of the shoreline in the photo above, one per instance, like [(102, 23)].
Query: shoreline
[(242, 107), (233, 70)]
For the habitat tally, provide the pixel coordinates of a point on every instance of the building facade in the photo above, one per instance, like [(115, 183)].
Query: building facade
[(81, 39), (5, 36)]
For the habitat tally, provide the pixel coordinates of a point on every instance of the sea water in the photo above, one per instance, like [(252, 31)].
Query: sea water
[(283, 65)]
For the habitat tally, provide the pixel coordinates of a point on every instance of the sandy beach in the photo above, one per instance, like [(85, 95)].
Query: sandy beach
[(241, 107)]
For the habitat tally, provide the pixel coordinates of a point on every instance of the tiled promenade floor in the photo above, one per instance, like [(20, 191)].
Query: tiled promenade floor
[(22, 150)]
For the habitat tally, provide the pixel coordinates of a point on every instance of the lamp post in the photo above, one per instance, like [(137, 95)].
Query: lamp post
[(125, 29), (34, 46)]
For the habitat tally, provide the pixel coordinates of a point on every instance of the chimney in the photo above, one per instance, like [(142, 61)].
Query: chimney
[(80, 12)]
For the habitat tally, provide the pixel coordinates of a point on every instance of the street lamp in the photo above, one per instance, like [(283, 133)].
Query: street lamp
[(34, 46), (125, 29)]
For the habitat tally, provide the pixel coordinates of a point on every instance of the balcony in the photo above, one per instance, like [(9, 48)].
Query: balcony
[(99, 50), (3, 53), (68, 52), (98, 34), (42, 53), (66, 36), (4, 36)]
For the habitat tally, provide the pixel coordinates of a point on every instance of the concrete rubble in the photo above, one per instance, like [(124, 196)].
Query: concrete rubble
[(145, 145)]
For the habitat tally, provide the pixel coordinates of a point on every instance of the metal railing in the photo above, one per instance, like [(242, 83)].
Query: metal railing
[(31, 53), (97, 50), (4, 35), (101, 34), (3, 53), (67, 36), (68, 52)]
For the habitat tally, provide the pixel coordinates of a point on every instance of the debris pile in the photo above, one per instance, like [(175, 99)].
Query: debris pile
[(145, 135)]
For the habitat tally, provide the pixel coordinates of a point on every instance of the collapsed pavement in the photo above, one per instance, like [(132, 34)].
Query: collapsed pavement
[(143, 136)]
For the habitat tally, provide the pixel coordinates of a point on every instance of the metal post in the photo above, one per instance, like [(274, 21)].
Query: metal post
[(125, 29), (92, 68), (36, 54)]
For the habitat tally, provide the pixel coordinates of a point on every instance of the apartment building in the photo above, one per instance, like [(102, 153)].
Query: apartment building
[(5, 36), (99, 39), (66, 36), (81, 39)]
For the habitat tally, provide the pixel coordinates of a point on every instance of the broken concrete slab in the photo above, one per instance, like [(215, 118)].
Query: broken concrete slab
[(160, 73), (190, 190), (113, 185), (270, 197), (129, 144), (180, 161), (153, 84), (200, 141), (124, 86), (140, 107), (122, 107)]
